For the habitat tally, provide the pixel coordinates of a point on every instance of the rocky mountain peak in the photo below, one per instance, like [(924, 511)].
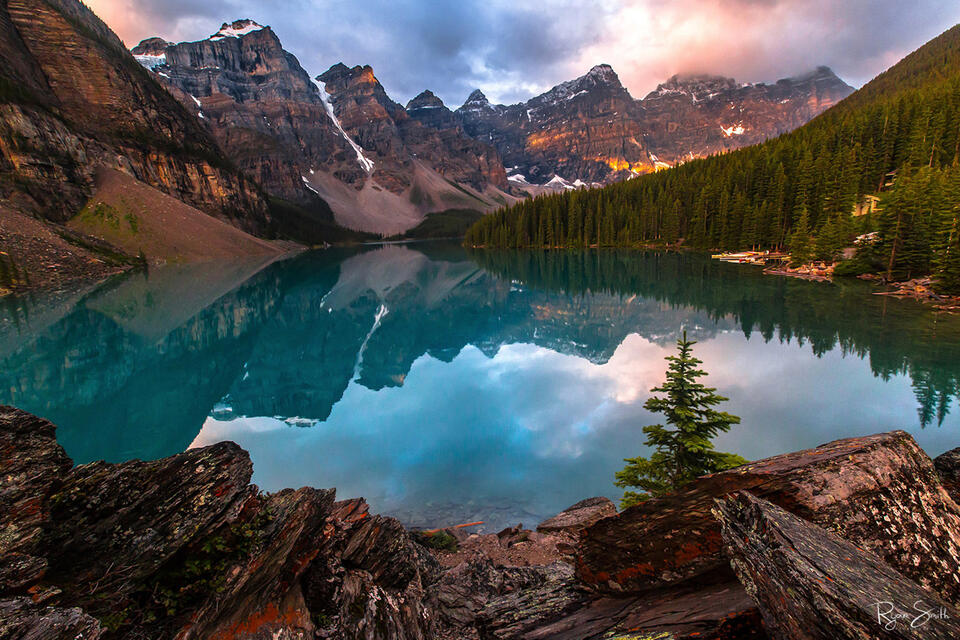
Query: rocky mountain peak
[(698, 86), (821, 79), (476, 101), (820, 73), (341, 74), (603, 73), (602, 77), (426, 100), (429, 110), (237, 29), (151, 47)]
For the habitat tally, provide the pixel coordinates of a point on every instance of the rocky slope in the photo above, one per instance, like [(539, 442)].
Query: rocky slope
[(185, 547), (339, 137), (74, 100), (75, 106), (591, 130)]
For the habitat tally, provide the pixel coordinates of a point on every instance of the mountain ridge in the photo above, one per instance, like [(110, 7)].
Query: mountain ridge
[(563, 132)]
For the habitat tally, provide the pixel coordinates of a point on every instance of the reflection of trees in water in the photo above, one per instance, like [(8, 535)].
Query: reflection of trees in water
[(133, 368), (898, 337)]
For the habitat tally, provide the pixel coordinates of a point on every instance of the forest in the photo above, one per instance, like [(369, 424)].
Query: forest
[(885, 160)]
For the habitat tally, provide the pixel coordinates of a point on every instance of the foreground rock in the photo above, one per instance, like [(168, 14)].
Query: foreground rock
[(578, 517), (881, 492), (948, 469), (186, 548), (814, 585)]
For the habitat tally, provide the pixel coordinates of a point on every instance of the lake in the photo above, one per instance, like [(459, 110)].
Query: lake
[(447, 385)]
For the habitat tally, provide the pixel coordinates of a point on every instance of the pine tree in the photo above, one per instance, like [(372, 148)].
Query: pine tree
[(684, 449), (801, 246)]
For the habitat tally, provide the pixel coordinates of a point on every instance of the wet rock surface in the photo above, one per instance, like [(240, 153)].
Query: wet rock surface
[(185, 548)]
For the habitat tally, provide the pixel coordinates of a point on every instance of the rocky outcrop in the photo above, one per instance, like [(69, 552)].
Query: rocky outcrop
[(591, 130), (881, 492), (579, 516), (186, 548), (74, 101), (948, 469), (813, 585)]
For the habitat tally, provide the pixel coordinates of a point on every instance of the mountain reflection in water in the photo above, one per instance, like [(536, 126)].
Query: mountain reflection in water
[(446, 385)]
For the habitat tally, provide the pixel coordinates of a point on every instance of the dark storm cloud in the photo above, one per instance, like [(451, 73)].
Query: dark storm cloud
[(515, 48)]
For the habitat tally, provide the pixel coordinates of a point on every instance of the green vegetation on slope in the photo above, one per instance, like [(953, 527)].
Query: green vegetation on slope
[(897, 138), (452, 223)]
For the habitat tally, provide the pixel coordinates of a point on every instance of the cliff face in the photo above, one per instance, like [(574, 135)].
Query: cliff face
[(697, 116), (74, 100), (585, 129), (591, 129), (394, 138), (260, 104), (339, 137)]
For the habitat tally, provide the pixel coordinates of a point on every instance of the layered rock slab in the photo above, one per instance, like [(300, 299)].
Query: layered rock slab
[(812, 585), (880, 491)]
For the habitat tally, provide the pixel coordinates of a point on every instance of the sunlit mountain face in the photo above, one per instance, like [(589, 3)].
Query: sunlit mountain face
[(445, 385)]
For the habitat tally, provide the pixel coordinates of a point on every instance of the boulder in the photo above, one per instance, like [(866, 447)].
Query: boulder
[(578, 517), (948, 468), (813, 585), (261, 596), (33, 465), (382, 547), (114, 525), (462, 592), (880, 491)]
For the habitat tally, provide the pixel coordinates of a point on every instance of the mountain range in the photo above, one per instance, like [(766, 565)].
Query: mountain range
[(114, 152), (883, 166), (591, 130)]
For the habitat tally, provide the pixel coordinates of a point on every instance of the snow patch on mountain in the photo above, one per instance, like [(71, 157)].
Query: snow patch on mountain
[(152, 62), (236, 29), (306, 183), (560, 183), (733, 130), (364, 161)]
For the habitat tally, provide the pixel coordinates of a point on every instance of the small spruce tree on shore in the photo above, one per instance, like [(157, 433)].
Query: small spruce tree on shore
[(683, 449)]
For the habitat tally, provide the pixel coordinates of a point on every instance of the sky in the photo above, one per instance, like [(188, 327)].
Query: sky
[(515, 49)]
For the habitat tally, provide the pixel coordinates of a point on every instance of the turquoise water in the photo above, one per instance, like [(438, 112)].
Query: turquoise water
[(449, 386)]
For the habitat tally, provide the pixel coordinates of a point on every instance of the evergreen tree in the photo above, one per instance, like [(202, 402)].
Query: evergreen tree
[(801, 245), (684, 449)]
